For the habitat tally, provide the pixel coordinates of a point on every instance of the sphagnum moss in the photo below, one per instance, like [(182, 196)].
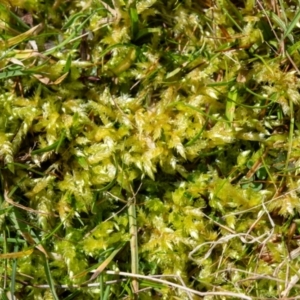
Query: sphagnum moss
[(149, 149)]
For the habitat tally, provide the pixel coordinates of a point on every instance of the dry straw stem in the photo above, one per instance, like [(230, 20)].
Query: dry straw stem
[(171, 284), (28, 209), (155, 279), (134, 238)]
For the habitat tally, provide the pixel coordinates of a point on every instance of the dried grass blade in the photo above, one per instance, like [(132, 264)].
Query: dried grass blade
[(21, 37)]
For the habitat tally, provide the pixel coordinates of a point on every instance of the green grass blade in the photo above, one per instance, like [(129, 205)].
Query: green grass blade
[(13, 73), (49, 278), (68, 64), (46, 149), (232, 19), (134, 18), (13, 274), (28, 168), (73, 295), (231, 104), (15, 17), (55, 229), (292, 25), (293, 48), (73, 19), (106, 293), (60, 141), (12, 240), (112, 183)]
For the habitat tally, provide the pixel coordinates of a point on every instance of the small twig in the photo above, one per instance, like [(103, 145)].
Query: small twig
[(28, 209), (244, 237), (292, 62), (150, 278), (269, 21), (290, 285)]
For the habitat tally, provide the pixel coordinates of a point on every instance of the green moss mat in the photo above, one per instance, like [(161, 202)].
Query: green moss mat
[(149, 149)]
